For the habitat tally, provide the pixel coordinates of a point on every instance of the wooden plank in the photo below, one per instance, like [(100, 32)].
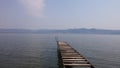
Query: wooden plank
[(72, 55), (81, 65), (74, 59), (69, 53)]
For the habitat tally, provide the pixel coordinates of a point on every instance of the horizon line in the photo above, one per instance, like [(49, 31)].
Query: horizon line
[(59, 29)]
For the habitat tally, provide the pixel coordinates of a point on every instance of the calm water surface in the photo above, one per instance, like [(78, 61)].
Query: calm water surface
[(40, 50)]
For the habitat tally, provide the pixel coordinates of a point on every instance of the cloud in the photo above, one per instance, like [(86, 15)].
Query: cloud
[(34, 7)]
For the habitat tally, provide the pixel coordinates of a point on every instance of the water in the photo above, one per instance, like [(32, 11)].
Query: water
[(40, 50)]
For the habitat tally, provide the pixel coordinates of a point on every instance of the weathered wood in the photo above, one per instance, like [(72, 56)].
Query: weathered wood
[(69, 53), (70, 57), (75, 59), (81, 65)]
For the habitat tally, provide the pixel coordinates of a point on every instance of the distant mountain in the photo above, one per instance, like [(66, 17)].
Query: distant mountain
[(79, 31), (15, 31), (94, 31)]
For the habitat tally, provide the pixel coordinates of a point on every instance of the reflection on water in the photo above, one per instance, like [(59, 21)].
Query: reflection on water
[(40, 50)]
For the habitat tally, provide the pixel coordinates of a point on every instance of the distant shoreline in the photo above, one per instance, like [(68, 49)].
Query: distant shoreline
[(66, 31)]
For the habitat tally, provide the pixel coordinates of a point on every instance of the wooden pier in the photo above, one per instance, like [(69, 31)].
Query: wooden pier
[(70, 58)]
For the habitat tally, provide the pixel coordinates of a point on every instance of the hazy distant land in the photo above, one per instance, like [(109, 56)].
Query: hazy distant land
[(79, 31)]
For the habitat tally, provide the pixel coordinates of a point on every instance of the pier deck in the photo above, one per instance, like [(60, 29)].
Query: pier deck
[(71, 58)]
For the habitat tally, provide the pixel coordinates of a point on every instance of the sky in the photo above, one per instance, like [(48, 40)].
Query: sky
[(59, 14)]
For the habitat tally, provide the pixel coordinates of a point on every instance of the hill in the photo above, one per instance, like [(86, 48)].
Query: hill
[(79, 31)]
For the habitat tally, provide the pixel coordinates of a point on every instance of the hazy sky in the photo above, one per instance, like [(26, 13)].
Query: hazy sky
[(60, 14)]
